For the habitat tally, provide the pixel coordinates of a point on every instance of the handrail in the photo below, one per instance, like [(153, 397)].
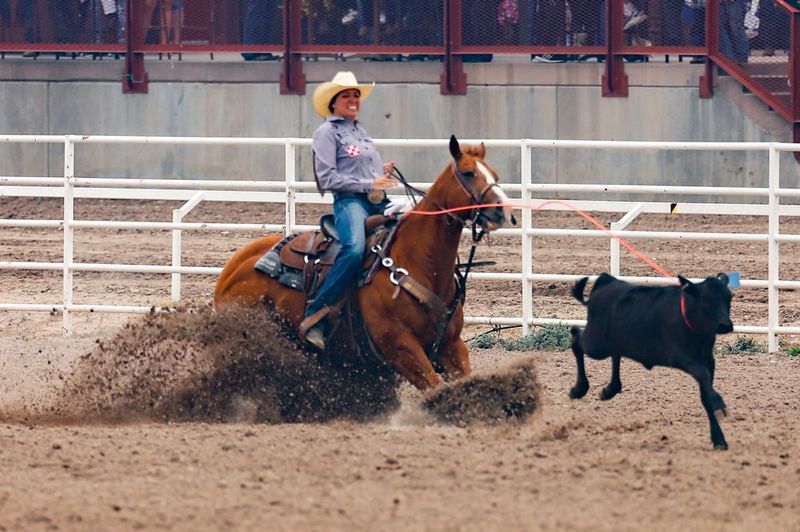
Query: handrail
[(452, 49)]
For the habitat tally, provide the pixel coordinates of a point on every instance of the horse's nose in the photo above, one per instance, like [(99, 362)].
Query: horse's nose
[(508, 215), (496, 215)]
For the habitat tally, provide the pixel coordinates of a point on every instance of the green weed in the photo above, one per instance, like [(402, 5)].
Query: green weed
[(793, 350), (742, 345), (547, 337)]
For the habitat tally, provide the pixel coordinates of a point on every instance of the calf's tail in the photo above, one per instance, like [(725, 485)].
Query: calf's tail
[(577, 289)]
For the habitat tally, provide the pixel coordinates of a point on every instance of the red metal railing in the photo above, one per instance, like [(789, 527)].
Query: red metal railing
[(450, 31)]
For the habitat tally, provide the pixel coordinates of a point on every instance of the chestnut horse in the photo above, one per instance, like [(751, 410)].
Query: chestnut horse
[(426, 247)]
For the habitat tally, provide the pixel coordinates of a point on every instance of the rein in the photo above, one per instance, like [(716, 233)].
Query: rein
[(412, 192), (476, 200)]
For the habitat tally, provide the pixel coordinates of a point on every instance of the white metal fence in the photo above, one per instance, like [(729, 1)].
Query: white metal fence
[(290, 191)]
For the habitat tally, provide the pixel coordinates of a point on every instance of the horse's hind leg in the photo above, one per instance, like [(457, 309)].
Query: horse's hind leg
[(239, 282), (581, 383)]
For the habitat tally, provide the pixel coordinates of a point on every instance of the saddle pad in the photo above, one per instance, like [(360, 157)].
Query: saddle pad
[(270, 263)]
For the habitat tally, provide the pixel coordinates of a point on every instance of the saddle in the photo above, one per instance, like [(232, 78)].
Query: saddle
[(302, 261)]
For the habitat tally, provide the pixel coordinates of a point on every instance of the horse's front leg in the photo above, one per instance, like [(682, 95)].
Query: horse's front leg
[(454, 359), (408, 358)]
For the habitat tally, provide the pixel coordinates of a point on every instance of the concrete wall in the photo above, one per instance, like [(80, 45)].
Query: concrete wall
[(513, 100)]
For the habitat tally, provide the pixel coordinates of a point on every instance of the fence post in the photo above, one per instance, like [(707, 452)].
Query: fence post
[(619, 225), (293, 80), (614, 81), (527, 239), (291, 178), (177, 241), (69, 179), (453, 80), (134, 80), (712, 48), (773, 247)]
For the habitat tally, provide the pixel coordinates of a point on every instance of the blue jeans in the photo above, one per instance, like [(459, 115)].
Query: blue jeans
[(349, 213), (733, 42)]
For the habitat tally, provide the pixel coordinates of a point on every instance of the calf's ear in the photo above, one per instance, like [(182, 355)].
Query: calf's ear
[(722, 278), (683, 281)]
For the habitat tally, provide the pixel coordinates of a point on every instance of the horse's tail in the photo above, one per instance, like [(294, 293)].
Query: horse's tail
[(577, 290)]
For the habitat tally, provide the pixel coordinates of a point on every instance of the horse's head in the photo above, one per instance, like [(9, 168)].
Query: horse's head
[(476, 184)]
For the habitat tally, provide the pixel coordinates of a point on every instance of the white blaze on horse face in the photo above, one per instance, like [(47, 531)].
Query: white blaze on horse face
[(487, 175), (490, 180)]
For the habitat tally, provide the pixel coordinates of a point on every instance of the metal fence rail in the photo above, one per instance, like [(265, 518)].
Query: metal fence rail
[(291, 192)]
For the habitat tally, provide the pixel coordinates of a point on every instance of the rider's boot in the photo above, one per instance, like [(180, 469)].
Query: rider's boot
[(316, 328), (312, 329)]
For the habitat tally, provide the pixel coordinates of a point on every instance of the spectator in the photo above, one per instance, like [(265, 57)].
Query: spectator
[(583, 22), (671, 34), (508, 20), (121, 20), (170, 19), (263, 24), (478, 29), (773, 31), (634, 26), (733, 42), (635, 29), (696, 14), (5, 20), (106, 21), (26, 14), (549, 26)]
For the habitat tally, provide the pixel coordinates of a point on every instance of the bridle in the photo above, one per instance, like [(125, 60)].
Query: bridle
[(475, 199)]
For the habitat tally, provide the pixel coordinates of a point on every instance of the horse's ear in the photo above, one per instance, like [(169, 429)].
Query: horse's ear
[(455, 149), (482, 150)]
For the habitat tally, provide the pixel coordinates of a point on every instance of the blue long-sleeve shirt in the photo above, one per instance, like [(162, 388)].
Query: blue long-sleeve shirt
[(345, 156)]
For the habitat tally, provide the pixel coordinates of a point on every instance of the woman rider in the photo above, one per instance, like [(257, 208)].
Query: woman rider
[(347, 163)]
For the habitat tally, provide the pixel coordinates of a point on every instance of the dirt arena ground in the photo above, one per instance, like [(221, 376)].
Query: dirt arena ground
[(641, 461)]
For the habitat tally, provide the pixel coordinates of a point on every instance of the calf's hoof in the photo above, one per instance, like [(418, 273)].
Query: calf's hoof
[(608, 393), (722, 446), (578, 391)]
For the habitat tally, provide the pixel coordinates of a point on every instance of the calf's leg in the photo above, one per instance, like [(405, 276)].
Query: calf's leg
[(703, 378), (615, 384), (717, 403), (581, 383)]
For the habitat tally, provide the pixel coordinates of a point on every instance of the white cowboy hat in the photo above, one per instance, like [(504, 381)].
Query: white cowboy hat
[(341, 81)]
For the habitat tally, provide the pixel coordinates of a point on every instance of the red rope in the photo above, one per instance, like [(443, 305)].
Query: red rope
[(636, 253)]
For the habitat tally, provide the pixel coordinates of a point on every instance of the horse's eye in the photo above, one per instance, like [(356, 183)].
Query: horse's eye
[(469, 175)]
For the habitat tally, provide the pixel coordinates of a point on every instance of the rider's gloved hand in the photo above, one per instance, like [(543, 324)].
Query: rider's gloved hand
[(397, 205)]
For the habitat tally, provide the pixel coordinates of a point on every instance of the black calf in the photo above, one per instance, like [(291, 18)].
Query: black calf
[(673, 326)]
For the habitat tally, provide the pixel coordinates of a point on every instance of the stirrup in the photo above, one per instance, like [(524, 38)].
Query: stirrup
[(309, 322)]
